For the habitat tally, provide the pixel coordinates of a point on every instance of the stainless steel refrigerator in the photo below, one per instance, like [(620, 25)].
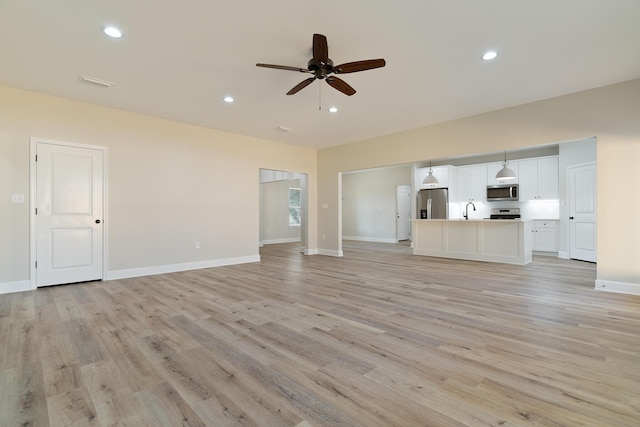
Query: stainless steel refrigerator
[(433, 203)]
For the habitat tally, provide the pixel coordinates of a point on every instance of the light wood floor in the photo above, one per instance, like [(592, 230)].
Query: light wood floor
[(376, 338)]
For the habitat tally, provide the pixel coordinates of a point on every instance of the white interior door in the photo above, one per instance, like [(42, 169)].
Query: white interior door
[(582, 212), (69, 214), (403, 212)]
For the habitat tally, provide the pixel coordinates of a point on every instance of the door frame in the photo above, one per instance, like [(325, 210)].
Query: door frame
[(34, 141)]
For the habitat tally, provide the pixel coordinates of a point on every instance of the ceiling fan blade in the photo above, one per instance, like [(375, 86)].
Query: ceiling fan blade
[(301, 85), (352, 67), (284, 67), (320, 49), (340, 85)]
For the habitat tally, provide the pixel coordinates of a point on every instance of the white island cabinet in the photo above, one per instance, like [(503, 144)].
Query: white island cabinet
[(506, 241)]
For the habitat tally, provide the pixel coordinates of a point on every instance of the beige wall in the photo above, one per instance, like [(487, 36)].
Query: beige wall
[(611, 114), (169, 184), (172, 183)]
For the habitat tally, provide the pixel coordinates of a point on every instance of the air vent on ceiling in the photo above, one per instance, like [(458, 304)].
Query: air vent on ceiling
[(95, 81)]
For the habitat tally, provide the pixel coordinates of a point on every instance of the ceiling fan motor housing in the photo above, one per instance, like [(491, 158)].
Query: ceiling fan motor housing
[(320, 69)]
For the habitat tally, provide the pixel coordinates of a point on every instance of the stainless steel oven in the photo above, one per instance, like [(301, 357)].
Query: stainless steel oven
[(505, 213)]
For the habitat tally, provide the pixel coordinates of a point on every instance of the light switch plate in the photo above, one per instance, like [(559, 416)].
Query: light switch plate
[(17, 198)]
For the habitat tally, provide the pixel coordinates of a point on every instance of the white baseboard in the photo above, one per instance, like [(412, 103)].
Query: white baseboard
[(311, 251), (369, 239), (19, 286), (172, 268), (619, 287), (545, 253), (563, 255), (329, 252), (276, 241)]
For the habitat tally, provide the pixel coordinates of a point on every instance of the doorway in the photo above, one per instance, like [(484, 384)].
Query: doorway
[(67, 219), (283, 208)]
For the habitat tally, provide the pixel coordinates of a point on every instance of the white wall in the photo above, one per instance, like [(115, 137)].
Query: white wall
[(169, 184), (274, 212), (369, 203)]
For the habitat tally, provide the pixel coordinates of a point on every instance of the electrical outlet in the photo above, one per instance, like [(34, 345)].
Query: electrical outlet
[(17, 198), (197, 245)]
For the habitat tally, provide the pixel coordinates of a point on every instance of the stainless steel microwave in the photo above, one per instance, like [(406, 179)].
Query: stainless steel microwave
[(497, 193)]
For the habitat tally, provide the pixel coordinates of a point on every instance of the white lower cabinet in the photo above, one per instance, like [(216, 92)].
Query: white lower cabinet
[(545, 236)]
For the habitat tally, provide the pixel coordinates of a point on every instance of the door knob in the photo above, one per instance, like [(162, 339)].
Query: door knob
[(98, 221), (570, 217)]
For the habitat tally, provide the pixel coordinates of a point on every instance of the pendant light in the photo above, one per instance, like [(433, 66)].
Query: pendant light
[(430, 179), (505, 172)]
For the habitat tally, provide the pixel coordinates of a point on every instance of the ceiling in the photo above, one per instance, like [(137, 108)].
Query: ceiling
[(177, 60)]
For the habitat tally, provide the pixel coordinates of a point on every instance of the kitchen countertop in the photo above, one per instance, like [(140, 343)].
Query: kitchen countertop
[(482, 220)]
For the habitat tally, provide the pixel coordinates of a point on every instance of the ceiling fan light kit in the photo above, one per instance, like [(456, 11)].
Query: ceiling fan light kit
[(322, 68)]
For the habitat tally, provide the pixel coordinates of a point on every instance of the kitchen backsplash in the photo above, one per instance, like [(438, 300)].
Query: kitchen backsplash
[(542, 209)]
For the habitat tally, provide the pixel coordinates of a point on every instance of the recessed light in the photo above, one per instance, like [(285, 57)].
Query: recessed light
[(333, 109), (228, 99), (284, 129), (488, 56), (112, 32)]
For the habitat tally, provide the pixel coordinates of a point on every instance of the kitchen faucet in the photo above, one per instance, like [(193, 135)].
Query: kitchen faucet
[(466, 210)]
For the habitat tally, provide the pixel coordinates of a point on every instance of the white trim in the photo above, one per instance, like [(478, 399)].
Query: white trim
[(563, 255), (311, 251), (20, 286), (618, 287), (173, 268), (546, 253), (34, 141), (330, 252), (276, 241), (370, 239)]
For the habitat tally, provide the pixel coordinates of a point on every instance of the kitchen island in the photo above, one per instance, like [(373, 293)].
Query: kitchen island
[(506, 241)]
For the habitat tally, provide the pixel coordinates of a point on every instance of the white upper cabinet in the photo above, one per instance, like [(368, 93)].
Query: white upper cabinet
[(440, 172), (472, 183), (548, 178), (539, 179), (494, 168)]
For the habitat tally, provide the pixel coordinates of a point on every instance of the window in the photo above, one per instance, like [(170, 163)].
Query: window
[(294, 207)]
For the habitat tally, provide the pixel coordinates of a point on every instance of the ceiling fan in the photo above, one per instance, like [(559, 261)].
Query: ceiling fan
[(322, 68)]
